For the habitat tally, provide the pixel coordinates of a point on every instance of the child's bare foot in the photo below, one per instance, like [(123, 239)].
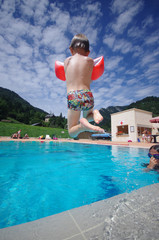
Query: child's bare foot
[(97, 116), (89, 127)]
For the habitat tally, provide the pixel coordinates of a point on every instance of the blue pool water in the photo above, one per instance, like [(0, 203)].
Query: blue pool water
[(41, 179)]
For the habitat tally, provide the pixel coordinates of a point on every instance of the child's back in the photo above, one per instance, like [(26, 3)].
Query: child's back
[(78, 70)]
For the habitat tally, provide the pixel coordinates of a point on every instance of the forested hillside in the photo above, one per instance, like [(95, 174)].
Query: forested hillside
[(150, 104), (14, 107)]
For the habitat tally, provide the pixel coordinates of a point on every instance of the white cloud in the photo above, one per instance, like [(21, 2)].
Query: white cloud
[(34, 9), (137, 51), (148, 22), (59, 18), (109, 40), (8, 6), (86, 21), (123, 46), (132, 71), (136, 32), (113, 62), (152, 72), (127, 12), (154, 38), (147, 58), (93, 8), (145, 91), (6, 47), (27, 10), (23, 50), (54, 39), (131, 81), (119, 6)]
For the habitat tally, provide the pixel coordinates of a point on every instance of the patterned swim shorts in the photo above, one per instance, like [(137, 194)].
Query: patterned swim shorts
[(80, 100)]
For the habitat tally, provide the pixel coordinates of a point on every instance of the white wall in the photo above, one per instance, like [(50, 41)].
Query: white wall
[(133, 118)]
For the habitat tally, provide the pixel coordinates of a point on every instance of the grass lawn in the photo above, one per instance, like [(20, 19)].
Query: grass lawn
[(7, 129)]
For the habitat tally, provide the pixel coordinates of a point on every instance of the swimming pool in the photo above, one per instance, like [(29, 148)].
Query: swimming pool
[(41, 179)]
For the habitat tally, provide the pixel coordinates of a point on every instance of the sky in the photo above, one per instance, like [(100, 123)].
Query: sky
[(35, 33)]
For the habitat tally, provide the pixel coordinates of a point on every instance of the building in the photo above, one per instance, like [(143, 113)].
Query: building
[(128, 125), (47, 117)]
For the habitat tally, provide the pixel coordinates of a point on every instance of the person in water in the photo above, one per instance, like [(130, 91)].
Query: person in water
[(78, 70), (154, 157)]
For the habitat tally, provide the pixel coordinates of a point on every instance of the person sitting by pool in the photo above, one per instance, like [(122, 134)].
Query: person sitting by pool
[(54, 137), (146, 136), (154, 158), (26, 136), (14, 135)]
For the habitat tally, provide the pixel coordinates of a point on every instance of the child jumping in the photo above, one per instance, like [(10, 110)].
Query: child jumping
[(78, 71)]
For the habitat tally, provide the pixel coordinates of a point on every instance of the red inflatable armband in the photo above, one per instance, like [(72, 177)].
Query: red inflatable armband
[(97, 72), (59, 70), (98, 68)]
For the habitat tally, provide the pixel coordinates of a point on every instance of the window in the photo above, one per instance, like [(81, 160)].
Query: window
[(141, 129), (122, 130)]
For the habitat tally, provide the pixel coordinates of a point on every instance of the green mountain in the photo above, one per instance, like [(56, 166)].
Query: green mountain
[(150, 104), (15, 107)]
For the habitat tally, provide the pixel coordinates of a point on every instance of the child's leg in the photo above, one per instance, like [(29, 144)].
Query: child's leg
[(74, 127), (73, 122), (93, 115), (89, 127)]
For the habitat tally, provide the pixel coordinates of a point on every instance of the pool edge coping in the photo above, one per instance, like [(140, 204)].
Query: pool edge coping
[(89, 220)]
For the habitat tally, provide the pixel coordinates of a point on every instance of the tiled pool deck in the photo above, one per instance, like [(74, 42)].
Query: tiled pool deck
[(126, 216), (133, 216)]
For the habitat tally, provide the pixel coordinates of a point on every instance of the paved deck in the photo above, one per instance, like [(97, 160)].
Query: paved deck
[(133, 216), (87, 141)]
